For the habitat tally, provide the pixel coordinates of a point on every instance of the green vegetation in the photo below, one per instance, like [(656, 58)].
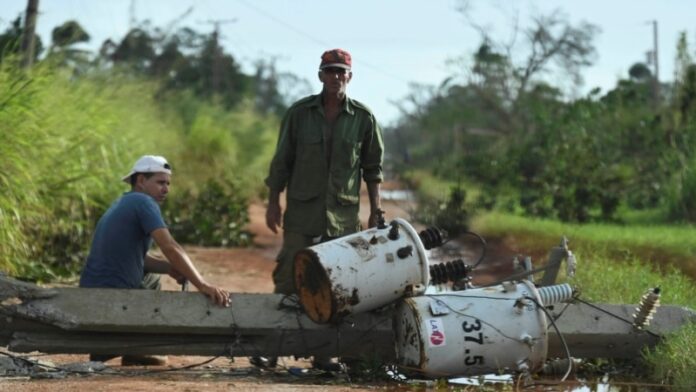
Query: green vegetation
[(532, 149), (676, 360), (638, 257), (216, 216), (66, 143), (660, 242)]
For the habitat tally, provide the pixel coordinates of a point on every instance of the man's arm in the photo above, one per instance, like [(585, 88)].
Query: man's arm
[(158, 265), (181, 262), (371, 157), (273, 212), (279, 172), (375, 203)]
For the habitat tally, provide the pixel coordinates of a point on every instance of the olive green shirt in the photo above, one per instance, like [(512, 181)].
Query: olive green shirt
[(322, 180)]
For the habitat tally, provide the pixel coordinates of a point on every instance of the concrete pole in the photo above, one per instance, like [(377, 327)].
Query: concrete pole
[(656, 79)]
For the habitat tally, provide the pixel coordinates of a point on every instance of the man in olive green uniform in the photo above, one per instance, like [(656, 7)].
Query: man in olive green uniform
[(327, 143)]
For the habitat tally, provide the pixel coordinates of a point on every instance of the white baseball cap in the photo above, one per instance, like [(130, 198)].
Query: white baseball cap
[(149, 164)]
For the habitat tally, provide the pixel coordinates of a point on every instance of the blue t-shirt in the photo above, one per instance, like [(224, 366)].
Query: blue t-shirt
[(121, 240)]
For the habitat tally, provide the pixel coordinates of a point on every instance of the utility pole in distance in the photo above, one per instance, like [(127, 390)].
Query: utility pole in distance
[(656, 78), (28, 38), (216, 71)]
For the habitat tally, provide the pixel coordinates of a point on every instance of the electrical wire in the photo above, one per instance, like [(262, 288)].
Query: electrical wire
[(112, 372), (474, 317), (613, 315), (312, 38), (560, 336), (484, 248)]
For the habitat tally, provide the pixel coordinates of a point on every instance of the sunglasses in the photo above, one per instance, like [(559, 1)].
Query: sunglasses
[(335, 70)]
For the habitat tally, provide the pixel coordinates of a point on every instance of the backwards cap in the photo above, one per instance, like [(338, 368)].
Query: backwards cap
[(149, 164)]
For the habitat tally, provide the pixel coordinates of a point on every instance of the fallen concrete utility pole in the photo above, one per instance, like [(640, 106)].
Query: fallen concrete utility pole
[(594, 331), (106, 321), (114, 321)]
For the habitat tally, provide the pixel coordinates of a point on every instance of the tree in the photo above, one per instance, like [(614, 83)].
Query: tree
[(136, 50), (11, 39), (63, 38), (503, 82), (684, 79), (276, 91), (640, 72), (69, 33)]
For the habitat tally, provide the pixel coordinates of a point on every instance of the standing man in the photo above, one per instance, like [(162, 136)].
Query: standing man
[(118, 256), (327, 143)]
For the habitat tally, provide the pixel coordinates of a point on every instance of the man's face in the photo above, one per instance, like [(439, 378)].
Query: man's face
[(335, 80), (156, 186)]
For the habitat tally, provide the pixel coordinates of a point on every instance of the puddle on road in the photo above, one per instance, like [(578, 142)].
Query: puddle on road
[(396, 195)]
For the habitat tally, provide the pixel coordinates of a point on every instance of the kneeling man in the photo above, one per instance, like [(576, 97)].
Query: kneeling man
[(119, 258)]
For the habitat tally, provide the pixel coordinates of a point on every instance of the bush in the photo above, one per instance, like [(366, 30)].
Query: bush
[(451, 215), (681, 198), (215, 217)]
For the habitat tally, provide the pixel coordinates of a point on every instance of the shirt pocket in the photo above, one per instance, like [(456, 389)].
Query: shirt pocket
[(310, 148), (346, 184), (349, 149), (309, 173)]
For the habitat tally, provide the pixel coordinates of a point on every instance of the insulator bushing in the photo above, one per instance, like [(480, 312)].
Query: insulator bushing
[(560, 366), (381, 224), (450, 271), (550, 295), (647, 307), (404, 252), (394, 231), (432, 237)]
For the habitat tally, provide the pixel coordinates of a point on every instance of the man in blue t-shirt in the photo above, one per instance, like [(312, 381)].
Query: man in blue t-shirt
[(118, 256)]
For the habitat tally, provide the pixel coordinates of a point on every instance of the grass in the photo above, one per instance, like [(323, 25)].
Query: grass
[(617, 264), (434, 188), (676, 360), (660, 246)]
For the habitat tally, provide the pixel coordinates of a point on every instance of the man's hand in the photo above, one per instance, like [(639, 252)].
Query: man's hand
[(217, 295), (273, 213), (373, 220), (375, 204)]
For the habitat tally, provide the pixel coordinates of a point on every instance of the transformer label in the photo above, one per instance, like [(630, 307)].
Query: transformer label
[(436, 332)]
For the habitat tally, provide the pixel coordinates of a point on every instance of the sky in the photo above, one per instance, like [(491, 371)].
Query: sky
[(394, 43)]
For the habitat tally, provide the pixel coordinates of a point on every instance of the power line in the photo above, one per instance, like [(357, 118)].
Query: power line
[(282, 22), (318, 41)]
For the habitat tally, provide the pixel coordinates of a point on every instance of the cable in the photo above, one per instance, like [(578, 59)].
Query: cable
[(484, 247), (318, 41), (613, 315), (474, 317), (112, 372), (560, 336)]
